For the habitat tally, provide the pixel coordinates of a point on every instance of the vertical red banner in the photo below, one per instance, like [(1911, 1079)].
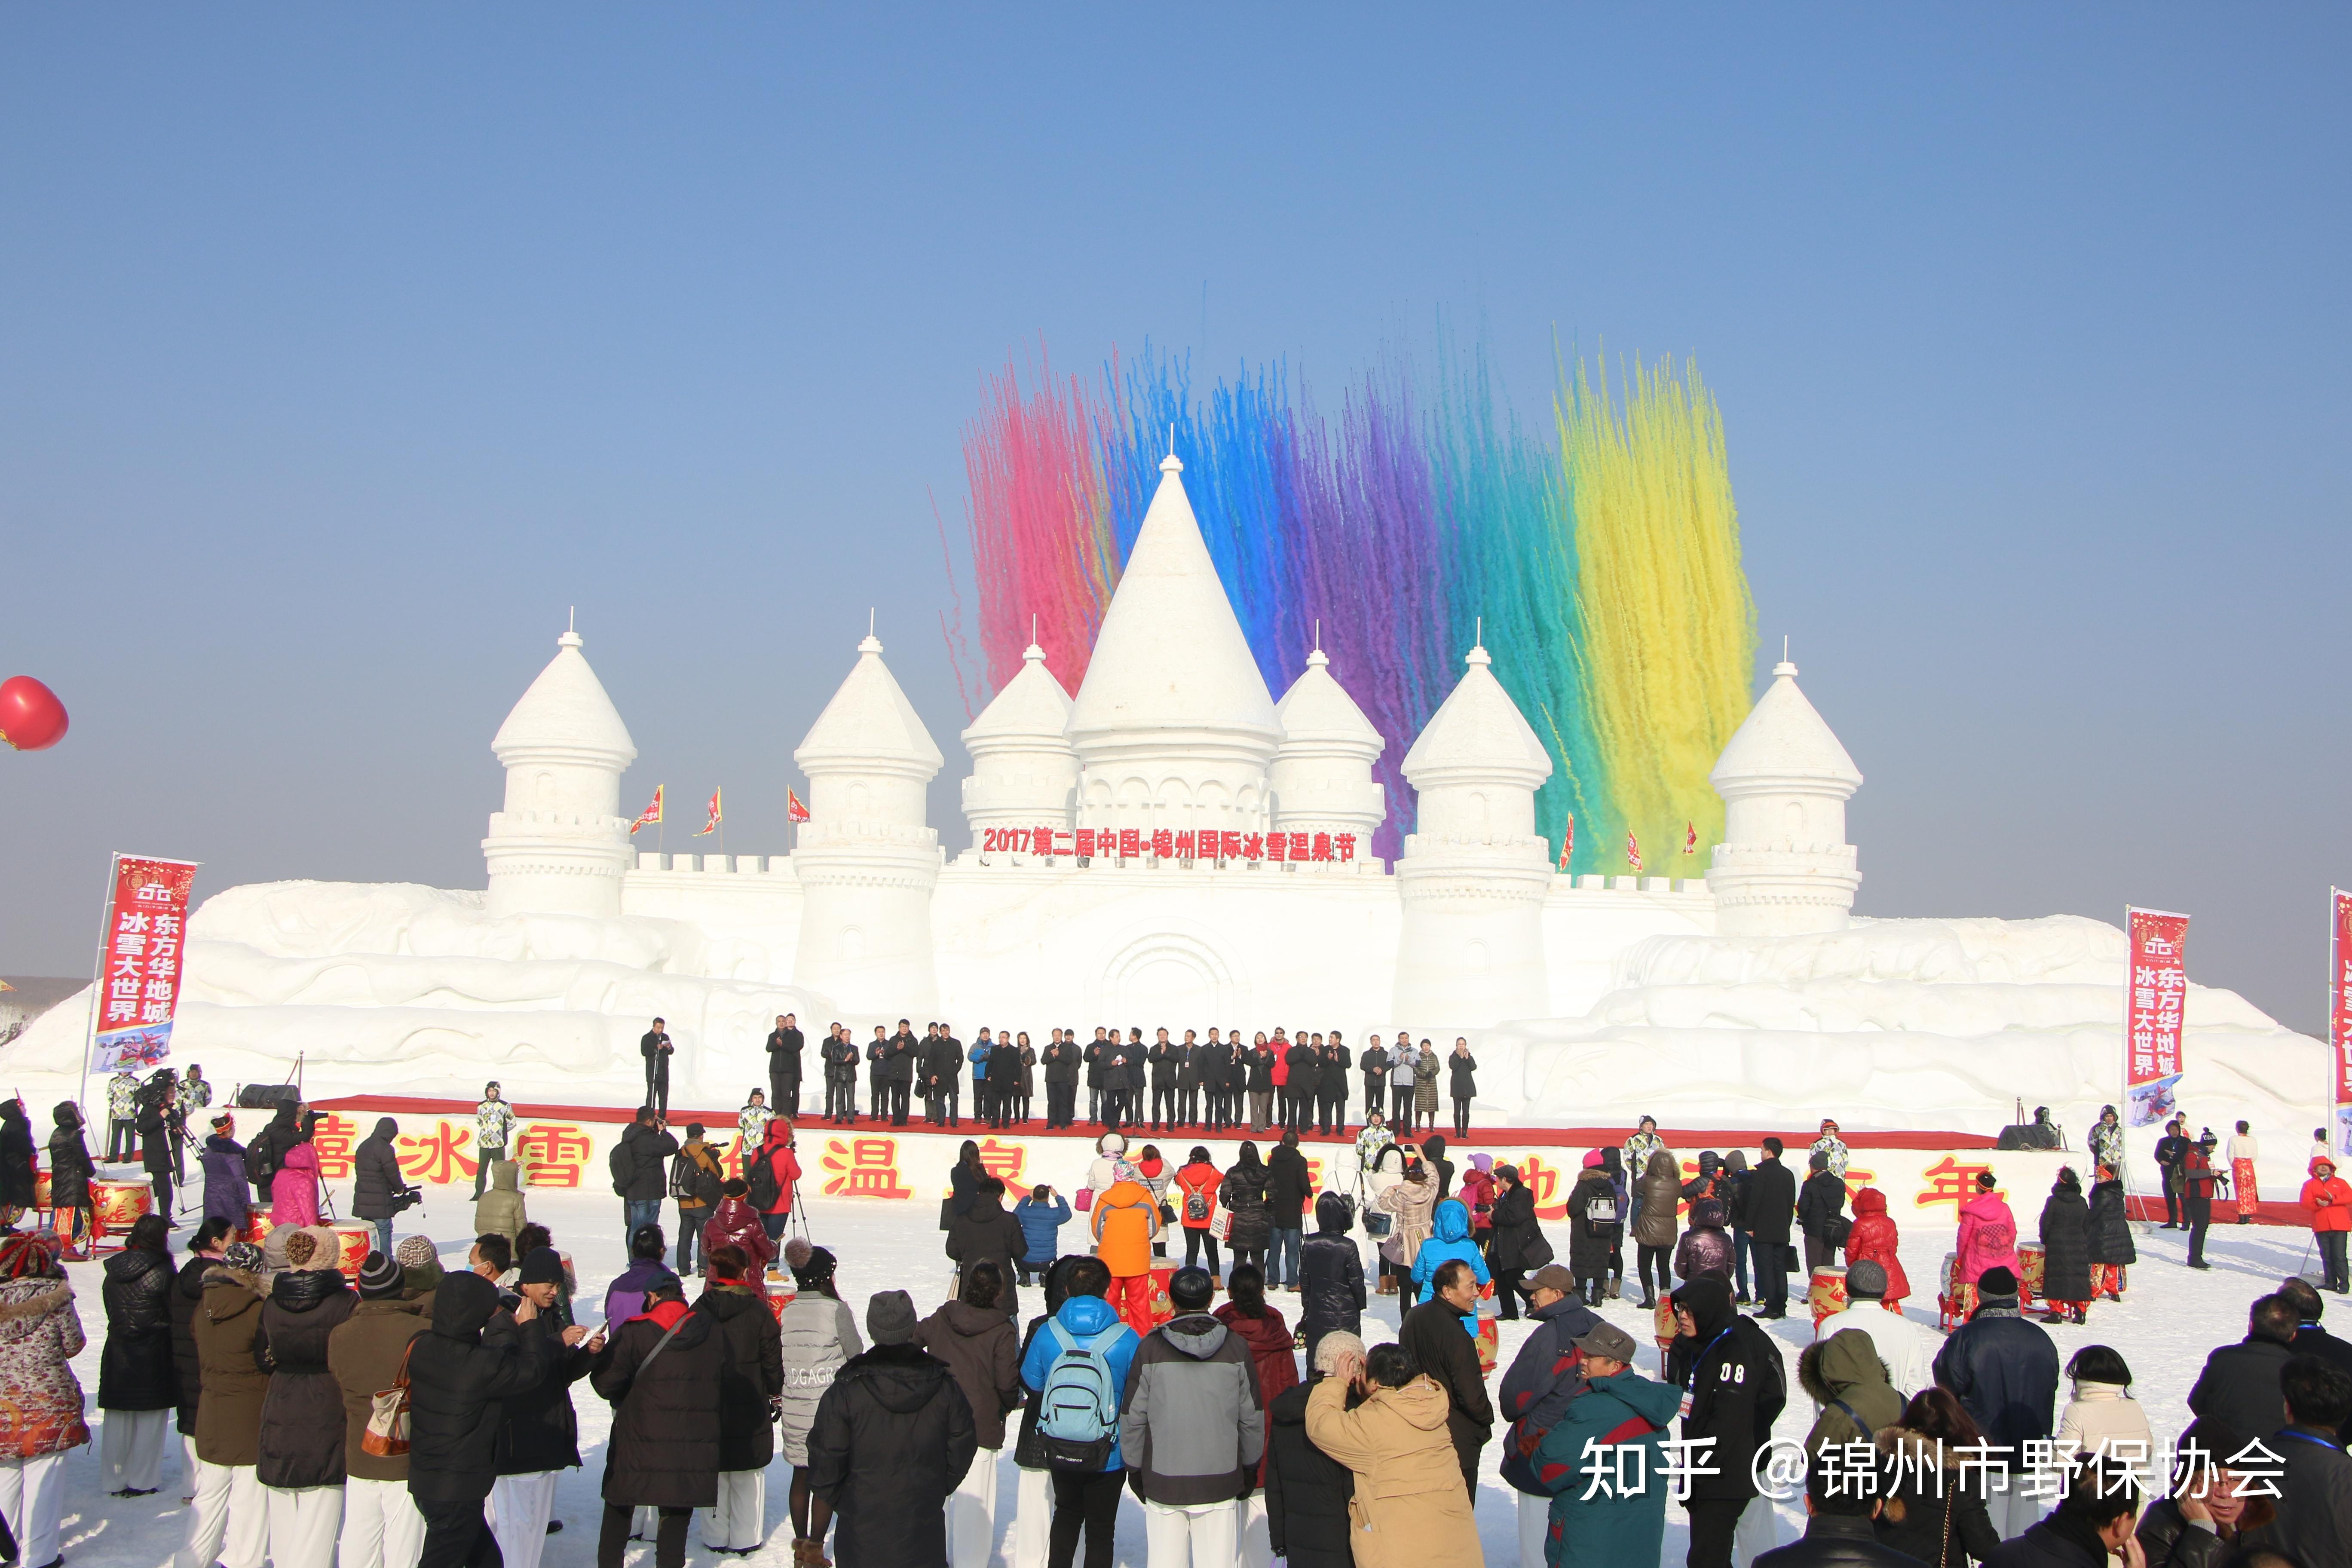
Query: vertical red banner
[(2154, 995), (140, 957), (2339, 1012)]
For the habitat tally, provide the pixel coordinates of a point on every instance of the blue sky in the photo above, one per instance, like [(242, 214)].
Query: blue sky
[(341, 351)]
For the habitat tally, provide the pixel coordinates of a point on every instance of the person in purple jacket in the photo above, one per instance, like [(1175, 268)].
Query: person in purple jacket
[(625, 1297)]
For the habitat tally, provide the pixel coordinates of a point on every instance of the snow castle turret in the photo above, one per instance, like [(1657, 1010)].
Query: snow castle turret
[(1174, 727), (868, 858), (1322, 775), (560, 846), (1025, 773), (1474, 873), (1784, 867)]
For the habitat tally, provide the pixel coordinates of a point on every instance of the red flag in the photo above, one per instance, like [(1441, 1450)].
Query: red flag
[(712, 825), (651, 815), (1568, 841), (794, 810), (1690, 839), (1634, 851)]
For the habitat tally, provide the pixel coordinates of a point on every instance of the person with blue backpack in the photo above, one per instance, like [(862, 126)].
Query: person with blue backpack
[(1452, 1240), (1078, 1367)]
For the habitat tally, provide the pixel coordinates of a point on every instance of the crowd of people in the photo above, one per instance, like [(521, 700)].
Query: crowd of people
[(1294, 1082), (422, 1412)]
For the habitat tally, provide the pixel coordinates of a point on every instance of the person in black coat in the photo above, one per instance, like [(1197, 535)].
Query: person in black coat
[(2240, 1384), (2066, 1250), (1330, 1276), (1771, 1194), (1187, 1081), (266, 1150), (984, 1231), (784, 1042), (1332, 1120), (2171, 1151), (664, 1449), (1738, 1387), (204, 1253), (893, 1437), (1434, 1334), (458, 1382), (899, 1056), (1821, 1213), (538, 1433), (1289, 1185), (2111, 1241), (1061, 1064), (1515, 1243), (748, 1382), (1167, 1064), (138, 1375), (378, 1188), (19, 1171), (1307, 1490), (1462, 1084), (1306, 1079), (657, 1048), (1374, 1065)]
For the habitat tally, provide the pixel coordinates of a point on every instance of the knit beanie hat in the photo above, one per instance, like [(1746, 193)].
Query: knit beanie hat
[(301, 1247), (814, 1271), (380, 1277), (416, 1250), (1592, 1159), (543, 1267), (890, 1318), (243, 1257), (796, 1253)]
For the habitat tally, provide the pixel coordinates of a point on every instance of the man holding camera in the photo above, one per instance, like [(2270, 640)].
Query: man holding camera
[(378, 1189)]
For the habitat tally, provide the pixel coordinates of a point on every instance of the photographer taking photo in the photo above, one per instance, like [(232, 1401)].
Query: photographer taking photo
[(378, 1189)]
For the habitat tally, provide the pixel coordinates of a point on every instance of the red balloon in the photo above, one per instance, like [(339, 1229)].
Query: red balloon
[(31, 717)]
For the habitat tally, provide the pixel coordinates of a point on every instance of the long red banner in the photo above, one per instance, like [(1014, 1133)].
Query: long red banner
[(140, 958), (2339, 1012), (2154, 997)]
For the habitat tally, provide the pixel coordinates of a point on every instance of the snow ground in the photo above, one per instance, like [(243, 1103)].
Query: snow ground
[(2164, 1327)]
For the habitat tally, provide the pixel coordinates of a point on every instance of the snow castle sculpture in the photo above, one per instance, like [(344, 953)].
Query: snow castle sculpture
[(560, 846)]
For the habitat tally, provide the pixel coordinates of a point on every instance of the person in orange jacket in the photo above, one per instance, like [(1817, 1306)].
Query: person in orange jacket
[(1126, 1222), (2327, 1199), (1874, 1237)]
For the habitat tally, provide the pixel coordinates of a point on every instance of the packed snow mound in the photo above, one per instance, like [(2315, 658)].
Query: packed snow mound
[(1892, 1024), (398, 988)]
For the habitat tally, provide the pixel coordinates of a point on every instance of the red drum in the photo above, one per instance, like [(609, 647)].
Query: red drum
[(1827, 1295), (358, 1241)]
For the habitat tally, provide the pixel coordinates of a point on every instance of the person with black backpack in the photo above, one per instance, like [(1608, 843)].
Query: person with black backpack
[(695, 1180), (267, 1151), (1078, 1367), (639, 1166)]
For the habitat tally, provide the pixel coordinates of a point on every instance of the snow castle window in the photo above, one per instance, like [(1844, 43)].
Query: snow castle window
[(853, 942)]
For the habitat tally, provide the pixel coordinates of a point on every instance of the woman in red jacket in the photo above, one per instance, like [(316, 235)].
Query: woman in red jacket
[(735, 1223), (1196, 1206), (1873, 1237), (2327, 1199), (1260, 1327)]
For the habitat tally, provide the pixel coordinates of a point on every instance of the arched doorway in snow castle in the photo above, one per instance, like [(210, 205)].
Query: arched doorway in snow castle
[(1167, 981)]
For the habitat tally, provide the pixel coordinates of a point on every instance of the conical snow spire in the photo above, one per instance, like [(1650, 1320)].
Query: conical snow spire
[(1171, 654), (1784, 737), (565, 709), (870, 723)]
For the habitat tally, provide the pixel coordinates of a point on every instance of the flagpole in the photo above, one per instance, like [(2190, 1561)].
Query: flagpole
[(97, 983)]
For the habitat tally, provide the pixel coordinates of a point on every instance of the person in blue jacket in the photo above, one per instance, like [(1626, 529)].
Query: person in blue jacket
[(1041, 1214), (1451, 1239), (983, 1100), (1086, 1500)]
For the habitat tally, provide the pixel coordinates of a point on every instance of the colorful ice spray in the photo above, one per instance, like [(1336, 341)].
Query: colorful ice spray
[(1605, 567)]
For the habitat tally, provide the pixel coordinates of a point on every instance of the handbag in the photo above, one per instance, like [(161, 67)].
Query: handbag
[(1535, 1252), (1789, 1261), (1221, 1224), (1085, 1199), (387, 1423)]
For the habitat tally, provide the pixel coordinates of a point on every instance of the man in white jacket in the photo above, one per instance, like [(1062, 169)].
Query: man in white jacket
[(1907, 1348)]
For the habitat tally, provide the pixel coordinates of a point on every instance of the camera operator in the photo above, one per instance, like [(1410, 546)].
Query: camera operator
[(378, 1189)]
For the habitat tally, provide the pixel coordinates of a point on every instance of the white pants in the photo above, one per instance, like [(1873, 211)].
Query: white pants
[(1033, 1519), (1256, 1543), (971, 1513), (1202, 1536), (302, 1525), (187, 1468), (1535, 1523), (741, 1517), (31, 1492), (2006, 1504), (1759, 1531), (382, 1528), (130, 1450), (229, 1521), (519, 1507)]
